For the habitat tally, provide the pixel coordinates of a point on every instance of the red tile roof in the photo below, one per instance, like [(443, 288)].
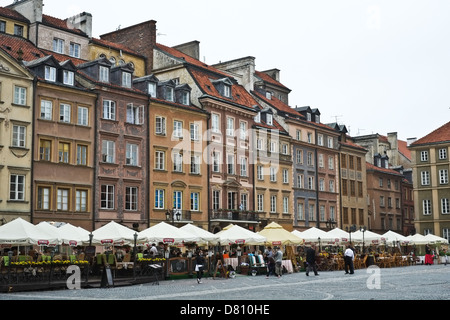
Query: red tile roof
[(60, 24), (13, 44), (372, 167), (278, 104), (440, 135), (265, 77), (12, 14)]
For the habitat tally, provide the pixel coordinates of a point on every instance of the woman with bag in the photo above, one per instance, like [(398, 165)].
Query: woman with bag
[(199, 265)]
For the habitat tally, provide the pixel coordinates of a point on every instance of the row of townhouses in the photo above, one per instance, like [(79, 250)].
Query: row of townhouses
[(127, 129)]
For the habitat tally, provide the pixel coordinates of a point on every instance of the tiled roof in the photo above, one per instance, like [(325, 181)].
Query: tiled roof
[(439, 135), (403, 149), (12, 45), (116, 46), (63, 57), (266, 78), (12, 14), (60, 24), (278, 104), (372, 167), (350, 143)]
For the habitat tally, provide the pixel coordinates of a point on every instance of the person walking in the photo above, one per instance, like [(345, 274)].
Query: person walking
[(311, 260), (428, 255), (278, 262), (270, 262), (199, 266), (349, 256)]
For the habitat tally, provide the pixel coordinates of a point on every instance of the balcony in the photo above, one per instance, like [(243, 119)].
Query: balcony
[(225, 215)]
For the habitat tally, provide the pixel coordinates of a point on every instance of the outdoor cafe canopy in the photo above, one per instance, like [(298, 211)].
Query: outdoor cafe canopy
[(20, 232), (166, 233), (206, 237), (113, 233), (234, 234), (313, 234), (277, 235)]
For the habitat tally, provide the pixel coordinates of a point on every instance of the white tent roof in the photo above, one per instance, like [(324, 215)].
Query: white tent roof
[(313, 234), (392, 236), (206, 236), (418, 239), (369, 237), (113, 233), (164, 232), (277, 235), (21, 232), (72, 235), (435, 239), (236, 234), (338, 235)]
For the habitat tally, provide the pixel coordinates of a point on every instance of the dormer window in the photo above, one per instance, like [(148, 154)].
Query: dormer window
[(185, 98), (268, 95), (169, 94), (50, 73), (269, 119), (68, 77), (227, 91), (317, 118), (104, 74), (308, 116), (223, 86), (152, 89), (126, 79), (258, 117)]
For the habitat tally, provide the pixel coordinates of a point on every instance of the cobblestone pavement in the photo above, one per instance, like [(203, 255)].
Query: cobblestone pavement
[(402, 283)]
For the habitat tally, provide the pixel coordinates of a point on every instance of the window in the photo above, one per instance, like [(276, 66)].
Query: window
[(311, 183), (177, 129), (2, 26), (215, 123), (104, 74), (216, 200), (244, 172), (83, 116), (46, 110), (109, 110), (300, 178), (285, 205), (45, 148), (68, 77), (284, 148), (131, 198), (108, 151), (298, 135), (82, 155), (260, 144), (126, 79), (260, 202), (232, 200), (310, 159), (426, 205), (321, 163), (425, 178), (17, 187), (309, 137), (227, 91), (81, 199), (18, 30), (177, 162), (50, 73), (311, 212), (160, 160), (58, 45), (243, 130), (216, 162), (185, 98), (230, 164), (443, 176), (300, 212), (132, 154), (273, 174), (321, 184), (195, 201), (194, 130), (424, 156), (273, 204), (330, 143), (64, 152), (178, 200), (159, 199), (75, 50), (244, 202), (20, 95), (169, 94), (274, 146), (285, 176), (107, 197), (64, 113), (445, 205), (18, 136), (320, 139), (160, 127), (259, 172), (43, 198), (331, 163), (442, 154), (269, 118), (299, 156), (195, 164), (230, 127), (152, 89), (62, 200), (322, 213)]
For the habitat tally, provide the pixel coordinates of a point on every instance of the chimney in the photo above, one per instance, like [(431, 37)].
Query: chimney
[(192, 49), (83, 22), (410, 141), (30, 9)]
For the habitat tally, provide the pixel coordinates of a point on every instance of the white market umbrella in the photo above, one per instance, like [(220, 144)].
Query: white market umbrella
[(392, 236), (206, 236), (418, 239), (338, 235), (369, 237), (21, 232), (113, 233), (313, 234), (435, 239), (234, 234), (166, 233), (74, 236)]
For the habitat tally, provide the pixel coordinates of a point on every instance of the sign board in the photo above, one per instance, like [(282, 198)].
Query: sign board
[(168, 240), (43, 242), (240, 241)]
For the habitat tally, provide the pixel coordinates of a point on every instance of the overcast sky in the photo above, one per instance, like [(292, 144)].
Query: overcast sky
[(375, 66)]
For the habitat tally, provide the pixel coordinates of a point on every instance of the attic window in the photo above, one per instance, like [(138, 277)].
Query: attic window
[(308, 116), (269, 95), (269, 119), (50, 73), (126, 80), (227, 91), (104, 74)]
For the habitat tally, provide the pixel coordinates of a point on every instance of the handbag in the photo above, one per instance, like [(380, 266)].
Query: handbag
[(198, 266)]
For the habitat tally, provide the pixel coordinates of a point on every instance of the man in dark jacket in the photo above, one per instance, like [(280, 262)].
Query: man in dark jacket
[(311, 260)]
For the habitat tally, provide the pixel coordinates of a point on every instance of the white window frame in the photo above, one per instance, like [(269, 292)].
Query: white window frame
[(68, 77), (132, 154), (445, 206), (17, 187), (19, 136), (424, 156), (103, 75), (126, 79), (426, 207), (425, 178), (159, 199), (107, 195), (160, 158), (20, 95), (108, 151), (177, 129), (160, 125), (83, 116), (58, 45), (50, 73), (62, 199), (64, 112), (75, 50), (443, 176), (109, 110)]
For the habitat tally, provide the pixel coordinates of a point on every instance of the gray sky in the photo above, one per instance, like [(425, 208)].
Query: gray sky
[(375, 66)]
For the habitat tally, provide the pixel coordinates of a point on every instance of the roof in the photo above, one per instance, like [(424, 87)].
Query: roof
[(13, 45), (440, 135), (371, 167), (116, 46), (12, 14), (60, 24), (278, 104), (266, 78)]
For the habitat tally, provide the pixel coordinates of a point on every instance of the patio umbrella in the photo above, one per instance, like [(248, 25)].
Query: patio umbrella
[(392, 236), (338, 235), (113, 233), (166, 233), (207, 237), (277, 235), (418, 239), (74, 236), (313, 234), (368, 236), (20, 232), (238, 235), (435, 239)]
